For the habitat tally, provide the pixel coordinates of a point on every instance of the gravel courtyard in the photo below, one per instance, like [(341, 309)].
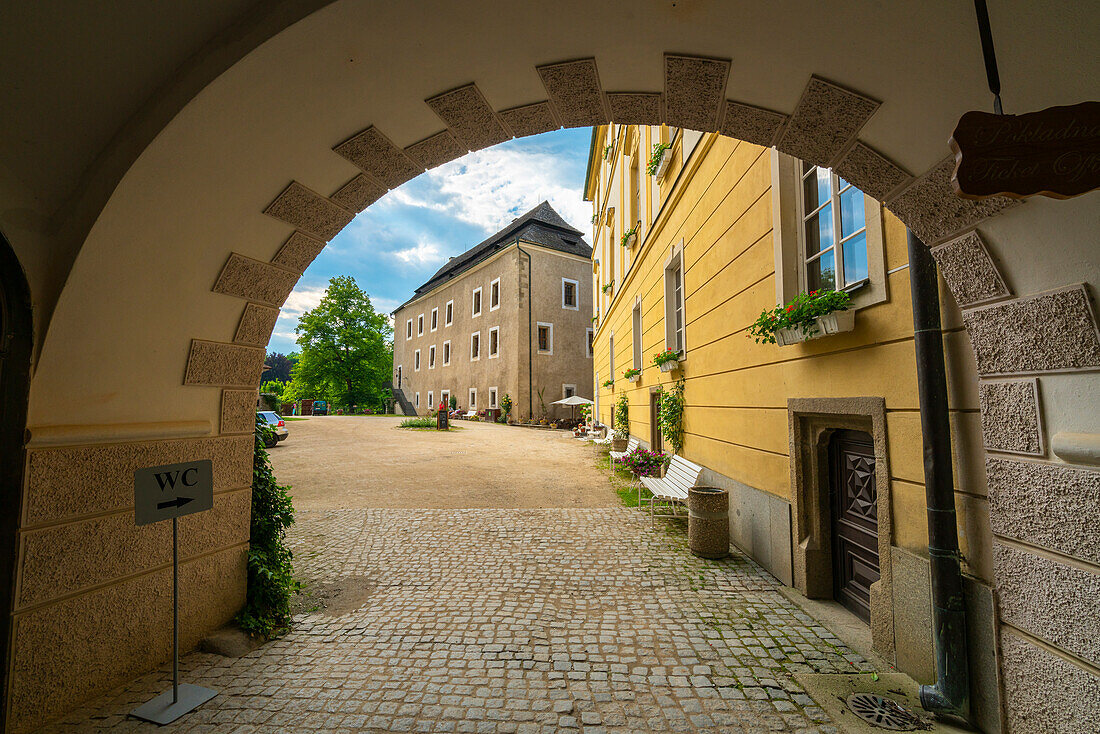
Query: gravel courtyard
[(506, 619)]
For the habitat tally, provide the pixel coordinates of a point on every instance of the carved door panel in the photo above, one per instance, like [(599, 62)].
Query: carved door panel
[(854, 508)]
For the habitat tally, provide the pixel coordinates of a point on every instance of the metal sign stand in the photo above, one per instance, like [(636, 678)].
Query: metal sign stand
[(184, 697)]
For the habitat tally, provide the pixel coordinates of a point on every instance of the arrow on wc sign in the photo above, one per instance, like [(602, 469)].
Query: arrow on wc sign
[(173, 490)]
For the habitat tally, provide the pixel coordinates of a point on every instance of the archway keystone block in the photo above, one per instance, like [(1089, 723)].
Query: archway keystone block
[(754, 125), (631, 108), (827, 118), (694, 90), (254, 280), (969, 271), (375, 154), (299, 250), (436, 150), (530, 119), (875, 174), (469, 117), (218, 364), (308, 210), (257, 323), (356, 195), (575, 91)]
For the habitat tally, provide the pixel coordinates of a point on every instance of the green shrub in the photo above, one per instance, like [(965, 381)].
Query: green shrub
[(670, 415), (270, 575), (622, 416), (420, 422)]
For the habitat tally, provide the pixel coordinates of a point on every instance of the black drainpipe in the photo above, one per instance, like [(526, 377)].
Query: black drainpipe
[(530, 359), (951, 692)]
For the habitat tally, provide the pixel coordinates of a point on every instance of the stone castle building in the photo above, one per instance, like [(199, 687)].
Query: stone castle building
[(510, 316)]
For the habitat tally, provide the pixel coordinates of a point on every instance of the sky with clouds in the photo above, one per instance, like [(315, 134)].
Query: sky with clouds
[(404, 237)]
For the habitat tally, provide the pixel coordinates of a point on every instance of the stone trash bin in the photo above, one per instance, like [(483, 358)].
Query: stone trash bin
[(708, 522)]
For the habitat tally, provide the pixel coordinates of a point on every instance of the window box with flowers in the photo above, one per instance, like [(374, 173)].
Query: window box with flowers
[(632, 374), (667, 360), (607, 288), (609, 383), (807, 316), (659, 160), (630, 236)]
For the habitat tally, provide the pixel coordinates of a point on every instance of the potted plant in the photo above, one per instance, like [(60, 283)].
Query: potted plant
[(806, 316), (609, 383), (607, 287), (632, 374), (643, 462), (667, 360), (629, 236), (659, 160), (621, 420)]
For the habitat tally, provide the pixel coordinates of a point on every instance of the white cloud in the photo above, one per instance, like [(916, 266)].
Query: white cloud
[(302, 299), (424, 253)]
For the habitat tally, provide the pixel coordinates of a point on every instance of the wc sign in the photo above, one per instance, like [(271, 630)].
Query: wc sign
[(173, 490)]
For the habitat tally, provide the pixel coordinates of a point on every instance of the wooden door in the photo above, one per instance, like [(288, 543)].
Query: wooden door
[(656, 440), (854, 508)]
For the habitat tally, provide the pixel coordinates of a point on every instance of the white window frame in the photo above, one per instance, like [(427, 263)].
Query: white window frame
[(550, 337), (447, 353), (565, 388), (431, 400), (493, 393), (611, 354), (837, 247), (408, 330), (416, 361), (449, 313), (674, 301), (473, 398), (576, 294), (445, 398), (477, 300), (494, 287), (420, 325), (434, 322), (417, 400), (477, 358), (495, 330), (636, 334), (589, 336), (431, 357)]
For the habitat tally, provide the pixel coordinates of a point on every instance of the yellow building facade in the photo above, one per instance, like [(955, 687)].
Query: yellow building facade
[(717, 231)]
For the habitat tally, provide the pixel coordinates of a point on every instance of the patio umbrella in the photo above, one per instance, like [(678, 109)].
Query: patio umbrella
[(572, 401)]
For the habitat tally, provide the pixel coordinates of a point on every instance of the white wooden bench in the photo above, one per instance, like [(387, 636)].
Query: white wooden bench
[(469, 414), (672, 490), (630, 446)]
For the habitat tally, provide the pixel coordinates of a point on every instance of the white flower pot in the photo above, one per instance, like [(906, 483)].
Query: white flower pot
[(635, 378), (669, 366), (662, 166), (630, 240), (836, 322)]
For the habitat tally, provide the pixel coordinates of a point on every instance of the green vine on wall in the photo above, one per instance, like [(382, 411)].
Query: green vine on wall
[(622, 416), (271, 582), (655, 159), (670, 415)]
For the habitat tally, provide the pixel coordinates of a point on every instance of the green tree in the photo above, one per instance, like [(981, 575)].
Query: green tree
[(345, 356)]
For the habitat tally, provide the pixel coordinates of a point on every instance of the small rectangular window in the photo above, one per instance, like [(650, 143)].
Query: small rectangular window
[(416, 361), (435, 319), (568, 391), (431, 402), (431, 357), (611, 353), (494, 295), (589, 336), (492, 397), (409, 329), (674, 303), (494, 342), (476, 305), (475, 346), (569, 294), (449, 318), (446, 353), (545, 336), (420, 325), (418, 400), (473, 398), (636, 335)]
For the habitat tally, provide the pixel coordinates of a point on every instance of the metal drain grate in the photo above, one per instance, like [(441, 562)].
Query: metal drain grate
[(885, 713)]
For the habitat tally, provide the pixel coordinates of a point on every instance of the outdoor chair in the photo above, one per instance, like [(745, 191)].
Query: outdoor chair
[(671, 492)]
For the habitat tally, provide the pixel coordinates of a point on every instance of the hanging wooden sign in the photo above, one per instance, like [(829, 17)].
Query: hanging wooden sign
[(1054, 152)]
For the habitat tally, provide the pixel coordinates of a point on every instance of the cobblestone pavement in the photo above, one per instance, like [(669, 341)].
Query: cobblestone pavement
[(487, 620)]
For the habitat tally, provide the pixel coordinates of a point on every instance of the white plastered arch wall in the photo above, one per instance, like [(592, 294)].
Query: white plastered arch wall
[(174, 292)]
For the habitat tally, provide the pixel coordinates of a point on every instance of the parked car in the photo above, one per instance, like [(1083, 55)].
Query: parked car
[(276, 421), (320, 407)]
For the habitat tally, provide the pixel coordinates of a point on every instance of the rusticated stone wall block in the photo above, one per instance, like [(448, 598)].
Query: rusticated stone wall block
[(930, 207), (68, 483), (436, 150), (1047, 505), (628, 108), (969, 271), (1010, 416), (309, 211), (694, 90), (62, 559), (358, 193), (469, 117), (256, 325), (1054, 601), (223, 365), (530, 119), (1045, 693), (827, 118), (238, 411), (88, 643), (575, 91), (870, 172), (1048, 332), (253, 280), (754, 125), (298, 252), (376, 154)]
